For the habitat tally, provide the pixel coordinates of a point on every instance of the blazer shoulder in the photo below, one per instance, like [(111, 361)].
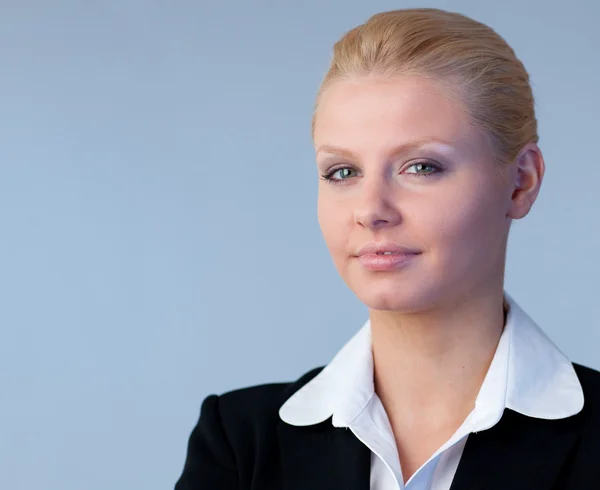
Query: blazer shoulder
[(590, 383), (234, 431), (583, 471), (588, 419), (261, 402)]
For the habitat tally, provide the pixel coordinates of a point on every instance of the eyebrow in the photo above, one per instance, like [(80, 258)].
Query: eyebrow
[(397, 150)]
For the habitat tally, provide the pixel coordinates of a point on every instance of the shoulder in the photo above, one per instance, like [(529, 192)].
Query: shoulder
[(590, 383), (235, 435), (583, 471), (589, 377), (260, 403)]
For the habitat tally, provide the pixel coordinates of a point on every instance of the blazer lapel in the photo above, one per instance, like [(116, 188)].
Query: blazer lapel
[(518, 453), (322, 457)]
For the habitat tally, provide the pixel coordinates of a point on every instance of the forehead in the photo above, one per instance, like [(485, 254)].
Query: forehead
[(367, 112)]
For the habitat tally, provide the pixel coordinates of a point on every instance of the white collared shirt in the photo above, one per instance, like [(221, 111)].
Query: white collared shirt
[(528, 374)]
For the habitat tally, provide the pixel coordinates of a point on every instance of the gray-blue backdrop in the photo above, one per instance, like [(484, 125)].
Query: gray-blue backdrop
[(159, 239)]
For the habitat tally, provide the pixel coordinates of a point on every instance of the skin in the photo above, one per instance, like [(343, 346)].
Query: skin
[(437, 320)]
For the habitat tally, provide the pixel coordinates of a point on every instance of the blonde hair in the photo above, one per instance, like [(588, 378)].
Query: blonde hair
[(472, 61)]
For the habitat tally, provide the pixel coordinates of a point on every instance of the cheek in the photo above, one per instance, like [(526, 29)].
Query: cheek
[(326, 214), (466, 226), (334, 227)]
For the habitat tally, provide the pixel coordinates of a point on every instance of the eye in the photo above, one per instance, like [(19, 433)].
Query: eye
[(328, 176), (419, 166), (430, 169)]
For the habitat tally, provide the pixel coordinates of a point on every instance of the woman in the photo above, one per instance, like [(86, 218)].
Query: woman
[(426, 147)]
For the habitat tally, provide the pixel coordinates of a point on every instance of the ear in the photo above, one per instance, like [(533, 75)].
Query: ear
[(526, 180)]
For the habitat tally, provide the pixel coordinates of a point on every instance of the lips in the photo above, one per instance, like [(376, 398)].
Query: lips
[(385, 248), (386, 261)]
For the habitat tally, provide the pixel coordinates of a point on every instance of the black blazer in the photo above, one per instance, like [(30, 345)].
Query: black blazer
[(240, 443)]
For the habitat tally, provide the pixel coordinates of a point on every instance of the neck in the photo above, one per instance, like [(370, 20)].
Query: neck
[(430, 365)]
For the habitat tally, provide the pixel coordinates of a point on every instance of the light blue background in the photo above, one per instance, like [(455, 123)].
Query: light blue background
[(158, 213)]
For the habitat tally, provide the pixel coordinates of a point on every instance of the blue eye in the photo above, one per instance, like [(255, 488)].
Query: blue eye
[(329, 175), (424, 164), (434, 169)]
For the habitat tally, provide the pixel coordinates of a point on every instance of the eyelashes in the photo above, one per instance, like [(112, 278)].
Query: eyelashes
[(328, 176)]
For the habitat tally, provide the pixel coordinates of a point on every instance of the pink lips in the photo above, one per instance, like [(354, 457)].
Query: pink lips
[(375, 262), (372, 256), (380, 247)]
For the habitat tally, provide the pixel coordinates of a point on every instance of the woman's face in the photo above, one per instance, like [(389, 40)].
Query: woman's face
[(409, 170)]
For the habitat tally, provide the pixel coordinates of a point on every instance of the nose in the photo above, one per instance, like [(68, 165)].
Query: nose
[(375, 208)]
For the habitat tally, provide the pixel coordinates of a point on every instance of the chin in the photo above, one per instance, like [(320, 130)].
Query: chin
[(389, 304), (394, 298)]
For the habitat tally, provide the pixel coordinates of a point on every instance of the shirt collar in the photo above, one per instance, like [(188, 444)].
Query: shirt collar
[(528, 374)]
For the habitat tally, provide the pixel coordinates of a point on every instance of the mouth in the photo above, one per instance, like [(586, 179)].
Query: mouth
[(385, 248), (386, 261), (378, 254)]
